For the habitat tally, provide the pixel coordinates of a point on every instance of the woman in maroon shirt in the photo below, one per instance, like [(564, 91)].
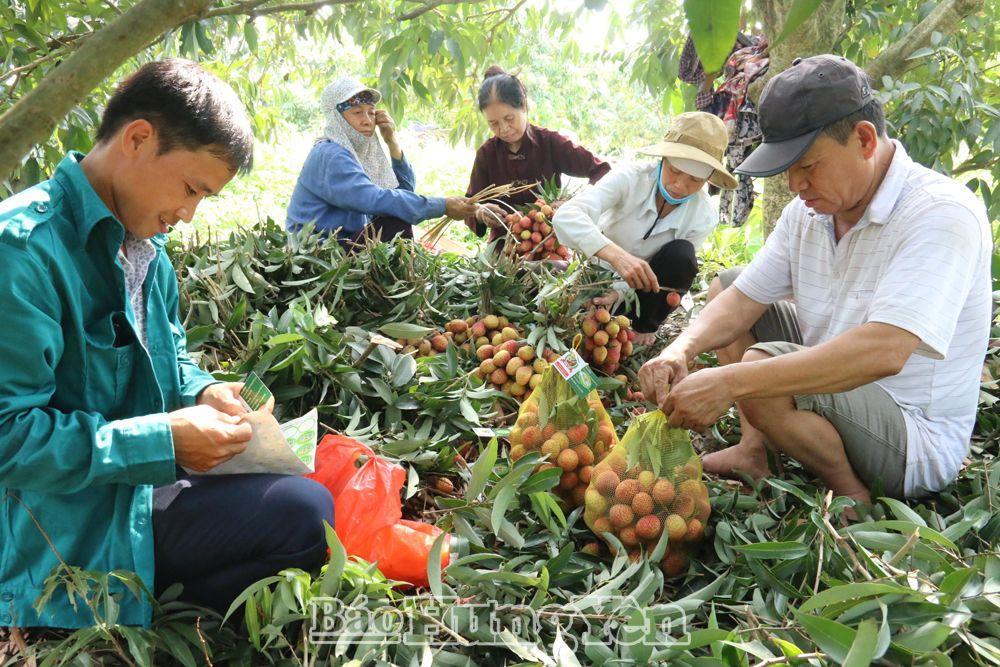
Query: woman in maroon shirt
[(519, 152)]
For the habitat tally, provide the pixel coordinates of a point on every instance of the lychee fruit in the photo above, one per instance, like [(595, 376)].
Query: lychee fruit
[(578, 434), (568, 460), (585, 454), (626, 490), (596, 503), (642, 504), (568, 481), (602, 525), (676, 527), (607, 481), (683, 505), (663, 492), (621, 516), (646, 480), (673, 564), (628, 536), (695, 530), (648, 528)]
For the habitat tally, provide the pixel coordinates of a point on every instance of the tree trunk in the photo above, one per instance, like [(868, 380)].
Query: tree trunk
[(813, 37), (944, 18), (816, 35), (33, 118)]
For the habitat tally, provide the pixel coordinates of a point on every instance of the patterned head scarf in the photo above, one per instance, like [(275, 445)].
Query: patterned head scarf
[(339, 96)]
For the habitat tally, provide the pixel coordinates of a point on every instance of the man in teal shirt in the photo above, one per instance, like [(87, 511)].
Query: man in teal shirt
[(99, 402)]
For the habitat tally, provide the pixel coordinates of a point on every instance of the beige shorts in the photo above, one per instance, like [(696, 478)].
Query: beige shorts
[(869, 421)]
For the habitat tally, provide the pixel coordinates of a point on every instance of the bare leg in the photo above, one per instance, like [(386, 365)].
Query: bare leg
[(806, 437), (749, 455)]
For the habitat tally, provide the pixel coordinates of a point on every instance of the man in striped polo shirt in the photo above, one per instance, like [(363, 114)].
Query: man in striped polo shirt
[(854, 340)]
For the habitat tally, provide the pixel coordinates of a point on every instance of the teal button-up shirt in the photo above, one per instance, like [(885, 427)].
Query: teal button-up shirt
[(84, 434)]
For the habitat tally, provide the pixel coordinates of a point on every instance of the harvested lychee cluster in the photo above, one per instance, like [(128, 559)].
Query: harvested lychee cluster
[(574, 433), (649, 485), (511, 367), (468, 334), (607, 339), (533, 235), (456, 332), (492, 330)]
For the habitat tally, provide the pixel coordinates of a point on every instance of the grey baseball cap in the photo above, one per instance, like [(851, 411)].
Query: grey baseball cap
[(798, 103)]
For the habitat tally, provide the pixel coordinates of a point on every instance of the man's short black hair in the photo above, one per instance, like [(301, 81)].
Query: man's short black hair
[(841, 130), (190, 108)]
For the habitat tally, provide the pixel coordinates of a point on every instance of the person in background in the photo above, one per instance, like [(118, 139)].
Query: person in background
[(349, 187), (519, 153), (646, 221)]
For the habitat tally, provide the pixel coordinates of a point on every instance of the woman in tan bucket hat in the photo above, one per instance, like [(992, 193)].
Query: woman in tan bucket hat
[(646, 221)]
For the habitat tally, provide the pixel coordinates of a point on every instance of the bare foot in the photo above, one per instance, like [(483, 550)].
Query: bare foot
[(746, 458), (645, 338)]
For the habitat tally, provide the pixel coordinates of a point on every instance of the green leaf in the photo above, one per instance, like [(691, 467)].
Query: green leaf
[(250, 35), (331, 579), (434, 566), (925, 638), (903, 512), (405, 330), (204, 41), (434, 41), (863, 649), (833, 638), (468, 411), (856, 591), (500, 505), (241, 280), (281, 339), (714, 25), (481, 471), (797, 15), (776, 550)]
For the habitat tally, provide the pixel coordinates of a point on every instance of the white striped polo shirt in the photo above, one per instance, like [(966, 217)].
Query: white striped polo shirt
[(918, 259)]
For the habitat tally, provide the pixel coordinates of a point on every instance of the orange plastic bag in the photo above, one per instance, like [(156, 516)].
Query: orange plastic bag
[(368, 512), (650, 483)]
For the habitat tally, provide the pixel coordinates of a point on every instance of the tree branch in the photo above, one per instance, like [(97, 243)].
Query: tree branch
[(945, 18), (33, 118), (253, 8), (432, 5)]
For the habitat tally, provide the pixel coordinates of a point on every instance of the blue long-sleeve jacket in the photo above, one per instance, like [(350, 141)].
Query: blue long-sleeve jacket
[(334, 191)]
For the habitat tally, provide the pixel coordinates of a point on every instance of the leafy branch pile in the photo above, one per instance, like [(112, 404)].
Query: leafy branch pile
[(777, 577)]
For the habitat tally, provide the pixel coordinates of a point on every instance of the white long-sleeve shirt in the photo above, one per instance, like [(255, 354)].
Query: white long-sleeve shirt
[(621, 208)]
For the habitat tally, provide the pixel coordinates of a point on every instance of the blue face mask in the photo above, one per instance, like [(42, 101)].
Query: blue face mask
[(673, 201)]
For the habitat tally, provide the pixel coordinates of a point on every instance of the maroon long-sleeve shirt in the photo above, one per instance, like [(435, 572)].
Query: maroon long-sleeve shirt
[(542, 155)]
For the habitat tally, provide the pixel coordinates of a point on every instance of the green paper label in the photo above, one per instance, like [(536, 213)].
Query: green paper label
[(577, 373), (255, 393)]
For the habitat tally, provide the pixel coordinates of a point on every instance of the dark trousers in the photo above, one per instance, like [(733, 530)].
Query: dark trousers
[(675, 265), (216, 535), (381, 227)]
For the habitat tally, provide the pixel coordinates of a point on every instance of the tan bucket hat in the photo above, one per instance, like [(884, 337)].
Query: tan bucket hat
[(698, 136)]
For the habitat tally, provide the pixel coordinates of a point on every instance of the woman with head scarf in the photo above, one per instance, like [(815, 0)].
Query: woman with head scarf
[(349, 187), (646, 221), (520, 152)]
